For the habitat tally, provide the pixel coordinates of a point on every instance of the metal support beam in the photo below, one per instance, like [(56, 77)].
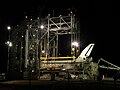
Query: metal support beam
[(26, 48)]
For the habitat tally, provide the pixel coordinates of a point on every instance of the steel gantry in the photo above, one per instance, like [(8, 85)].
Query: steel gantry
[(37, 38), (42, 37)]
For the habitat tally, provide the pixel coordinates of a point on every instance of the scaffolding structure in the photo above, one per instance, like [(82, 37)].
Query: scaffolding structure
[(34, 39)]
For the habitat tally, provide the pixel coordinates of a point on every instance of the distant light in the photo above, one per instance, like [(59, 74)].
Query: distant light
[(63, 69), (38, 18), (32, 70), (8, 27), (26, 17), (42, 27), (75, 44), (33, 35), (9, 43), (48, 14), (43, 51)]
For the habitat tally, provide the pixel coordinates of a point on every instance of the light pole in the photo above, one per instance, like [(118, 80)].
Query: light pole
[(9, 45)]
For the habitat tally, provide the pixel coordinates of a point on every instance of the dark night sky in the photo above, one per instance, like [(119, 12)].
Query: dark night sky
[(99, 23)]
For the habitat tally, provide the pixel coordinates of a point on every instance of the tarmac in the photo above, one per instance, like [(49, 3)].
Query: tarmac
[(60, 85)]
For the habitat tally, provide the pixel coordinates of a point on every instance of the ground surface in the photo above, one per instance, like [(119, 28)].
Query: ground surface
[(59, 85)]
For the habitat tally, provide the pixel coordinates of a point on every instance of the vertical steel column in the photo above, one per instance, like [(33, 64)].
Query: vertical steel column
[(21, 57), (54, 53), (45, 46), (48, 35), (26, 48), (8, 59), (8, 62), (37, 41), (56, 44), (72, 36)]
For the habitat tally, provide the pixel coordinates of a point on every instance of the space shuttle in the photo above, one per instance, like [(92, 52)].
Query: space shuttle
[(81, 58), (85, 53)]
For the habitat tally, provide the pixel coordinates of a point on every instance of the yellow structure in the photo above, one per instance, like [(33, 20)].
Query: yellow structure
[(56, 58)]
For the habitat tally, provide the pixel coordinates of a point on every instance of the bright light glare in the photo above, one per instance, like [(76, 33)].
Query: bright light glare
[(9, 43), (8, 27), (42, 27), (43, 51), (75, 44)]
